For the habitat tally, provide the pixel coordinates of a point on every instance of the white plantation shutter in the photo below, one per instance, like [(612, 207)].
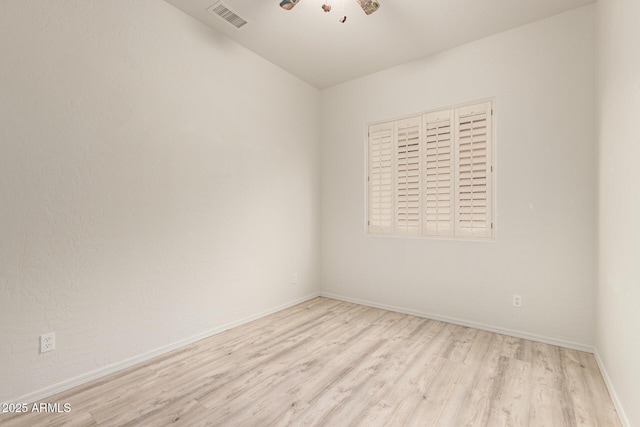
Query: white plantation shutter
[(380, 178), (431, 174), (438, 176), (473, 170), (407, 143)]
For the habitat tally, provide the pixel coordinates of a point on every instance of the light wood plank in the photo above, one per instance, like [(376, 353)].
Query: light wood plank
[(331, 363)]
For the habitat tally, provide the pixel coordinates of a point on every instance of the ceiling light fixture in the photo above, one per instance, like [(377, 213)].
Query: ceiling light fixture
[(368, 6)]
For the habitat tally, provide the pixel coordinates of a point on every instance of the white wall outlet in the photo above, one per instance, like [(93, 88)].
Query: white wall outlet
[(47, 342), (294, 278), (517, 301)]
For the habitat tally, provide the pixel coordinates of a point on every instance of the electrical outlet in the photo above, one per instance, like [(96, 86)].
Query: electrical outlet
[(517, 301), (47, 342), (294, 278)]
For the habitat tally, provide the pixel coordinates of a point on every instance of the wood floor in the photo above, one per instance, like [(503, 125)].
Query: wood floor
[(331, 363)]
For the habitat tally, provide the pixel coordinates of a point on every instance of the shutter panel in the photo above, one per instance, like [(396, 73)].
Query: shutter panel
[(438, 176), (473, 171), (407, 189), (380, 185)]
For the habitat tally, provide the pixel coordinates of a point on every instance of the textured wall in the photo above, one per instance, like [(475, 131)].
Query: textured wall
[(156, 182), (618, 320), (542, 78)]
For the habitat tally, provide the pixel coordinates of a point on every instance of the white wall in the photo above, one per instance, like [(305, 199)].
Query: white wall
[(541, 76), (157, 181), (618, 315)]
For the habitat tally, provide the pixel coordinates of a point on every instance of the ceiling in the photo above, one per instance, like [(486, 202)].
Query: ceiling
[(317, 48)]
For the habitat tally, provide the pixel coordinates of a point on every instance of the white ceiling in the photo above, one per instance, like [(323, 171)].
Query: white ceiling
[(317, 48)]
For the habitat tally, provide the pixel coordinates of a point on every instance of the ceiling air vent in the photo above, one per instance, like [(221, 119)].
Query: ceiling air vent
[(223, 11)]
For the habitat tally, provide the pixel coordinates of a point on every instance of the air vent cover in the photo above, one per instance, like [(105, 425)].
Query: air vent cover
[(223, 11)]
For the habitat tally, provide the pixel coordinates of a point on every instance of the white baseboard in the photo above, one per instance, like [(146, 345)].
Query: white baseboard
[(467, 323), (46, 392), (612, 391)]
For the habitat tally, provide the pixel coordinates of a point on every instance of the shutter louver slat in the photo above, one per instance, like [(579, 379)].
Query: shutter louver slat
[(438, 204), (473, 156), (407, 188), (380, 195)]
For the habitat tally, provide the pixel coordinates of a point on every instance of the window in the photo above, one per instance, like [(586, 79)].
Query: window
[(431, 174)]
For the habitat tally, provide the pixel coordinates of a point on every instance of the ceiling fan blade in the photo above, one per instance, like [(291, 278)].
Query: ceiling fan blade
[(369, 6), (288, 4)]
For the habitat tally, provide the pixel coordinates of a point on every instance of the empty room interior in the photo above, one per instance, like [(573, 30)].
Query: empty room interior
[(341, 212)]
